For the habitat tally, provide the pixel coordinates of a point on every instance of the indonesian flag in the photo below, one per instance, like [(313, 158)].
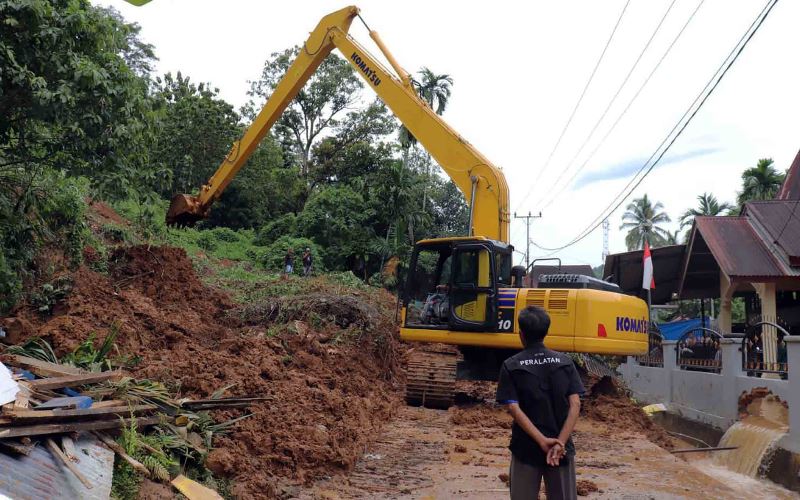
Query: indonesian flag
[(648, 281)]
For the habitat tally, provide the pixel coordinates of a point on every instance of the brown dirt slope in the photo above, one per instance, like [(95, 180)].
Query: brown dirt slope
[(331, 386)]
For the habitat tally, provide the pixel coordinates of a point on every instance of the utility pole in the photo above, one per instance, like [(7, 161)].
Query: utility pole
[(528, 219)]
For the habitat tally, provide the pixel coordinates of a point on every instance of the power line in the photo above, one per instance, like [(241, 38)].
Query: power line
[(712, 83), (610, 103), (555, 196), (577, 104)]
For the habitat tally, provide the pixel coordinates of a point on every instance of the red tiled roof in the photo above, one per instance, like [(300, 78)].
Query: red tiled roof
[(790, 190), (781, 222), (738, 250)]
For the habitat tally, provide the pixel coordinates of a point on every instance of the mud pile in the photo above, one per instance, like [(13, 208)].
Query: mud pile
[(607, 402), (331, 385)]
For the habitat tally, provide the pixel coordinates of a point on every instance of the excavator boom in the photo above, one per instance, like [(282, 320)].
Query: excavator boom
[(483, 185)]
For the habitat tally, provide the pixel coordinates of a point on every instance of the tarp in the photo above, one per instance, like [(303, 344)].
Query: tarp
[(8, 388), (674, 329)]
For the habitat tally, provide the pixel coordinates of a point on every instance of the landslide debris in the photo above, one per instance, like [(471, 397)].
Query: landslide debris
[(606, 401), (328, 360)]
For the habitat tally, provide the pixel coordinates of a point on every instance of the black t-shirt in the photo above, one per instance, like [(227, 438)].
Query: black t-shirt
[(540, 381)]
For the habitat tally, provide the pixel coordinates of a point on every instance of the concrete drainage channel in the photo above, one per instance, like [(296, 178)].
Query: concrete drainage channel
[(773, 463)]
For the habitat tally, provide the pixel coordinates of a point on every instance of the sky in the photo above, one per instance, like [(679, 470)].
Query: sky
[(519, 69)]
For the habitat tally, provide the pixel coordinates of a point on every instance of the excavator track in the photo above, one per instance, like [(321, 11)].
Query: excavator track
[(431, 379)]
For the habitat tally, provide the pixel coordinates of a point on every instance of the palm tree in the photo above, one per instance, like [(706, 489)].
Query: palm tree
[(642, 219), (761, 182), (435, 90), (672, 237), (708, 206)]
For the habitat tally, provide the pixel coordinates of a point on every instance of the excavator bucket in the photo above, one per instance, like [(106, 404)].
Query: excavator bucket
[(185, 210)]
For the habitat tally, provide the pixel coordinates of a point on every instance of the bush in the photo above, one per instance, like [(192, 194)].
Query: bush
[(285, 225), (272, 256), (206, 241), (37, 209), (225, 234)]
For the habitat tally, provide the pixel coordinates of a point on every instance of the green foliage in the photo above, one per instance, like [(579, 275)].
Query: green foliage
[(37, 209), (225, 234), (708, 205), (642, 219), (125, 481), (206, 241), (336, 219), (93, 359), (47, 295), (330, 91), (192, 153), (285, 225), (272, 256), (117, 233), (36, 348), (761, 182), (69, 99)]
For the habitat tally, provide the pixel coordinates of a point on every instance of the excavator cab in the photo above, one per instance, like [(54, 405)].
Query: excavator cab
[(455, 283)]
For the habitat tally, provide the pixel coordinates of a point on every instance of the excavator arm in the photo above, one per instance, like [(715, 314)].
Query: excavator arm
[(483, 184)]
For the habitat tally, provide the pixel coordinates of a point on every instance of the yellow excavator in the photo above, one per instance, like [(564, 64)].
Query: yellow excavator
[(462, 291)]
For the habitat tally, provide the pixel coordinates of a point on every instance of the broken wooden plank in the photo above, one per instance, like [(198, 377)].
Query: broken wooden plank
[(108, 403), (49, 415), (231, 399), (43, 368), (68, 445), (75, 380), (16, 447), (194, 490), (56, 451), (64, 427), (116, 448)]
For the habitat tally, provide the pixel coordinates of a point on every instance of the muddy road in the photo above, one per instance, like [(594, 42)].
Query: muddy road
[(461, 453)]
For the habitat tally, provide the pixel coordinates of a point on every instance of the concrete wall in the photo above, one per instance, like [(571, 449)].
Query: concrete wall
[(713, 398)]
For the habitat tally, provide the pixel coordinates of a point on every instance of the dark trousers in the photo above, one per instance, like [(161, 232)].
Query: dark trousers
[(525, 481)]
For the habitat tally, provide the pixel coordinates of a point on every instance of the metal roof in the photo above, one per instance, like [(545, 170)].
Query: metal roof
[(40, 476), (626, 269), (737, 248), (790, 190), (781, 223)]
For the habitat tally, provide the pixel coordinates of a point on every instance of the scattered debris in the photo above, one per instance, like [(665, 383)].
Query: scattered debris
[(584, 487), (193, 490)]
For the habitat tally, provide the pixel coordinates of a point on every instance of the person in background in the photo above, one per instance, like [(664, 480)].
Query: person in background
[(288, 262), (542, 391), (308, 261)]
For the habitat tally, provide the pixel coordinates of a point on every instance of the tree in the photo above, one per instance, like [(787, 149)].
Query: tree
[(708, 205), (672, 237), (761, 182), (68, 98), (641, 219), (336, 218), (433, 89), (331, 90), (195, 131)]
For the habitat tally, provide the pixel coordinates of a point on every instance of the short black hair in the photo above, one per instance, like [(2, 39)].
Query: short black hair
[(533, 323)]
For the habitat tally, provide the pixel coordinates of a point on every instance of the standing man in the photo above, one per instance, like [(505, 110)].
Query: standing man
[(288, 262), (308, 260), (542, 390)]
